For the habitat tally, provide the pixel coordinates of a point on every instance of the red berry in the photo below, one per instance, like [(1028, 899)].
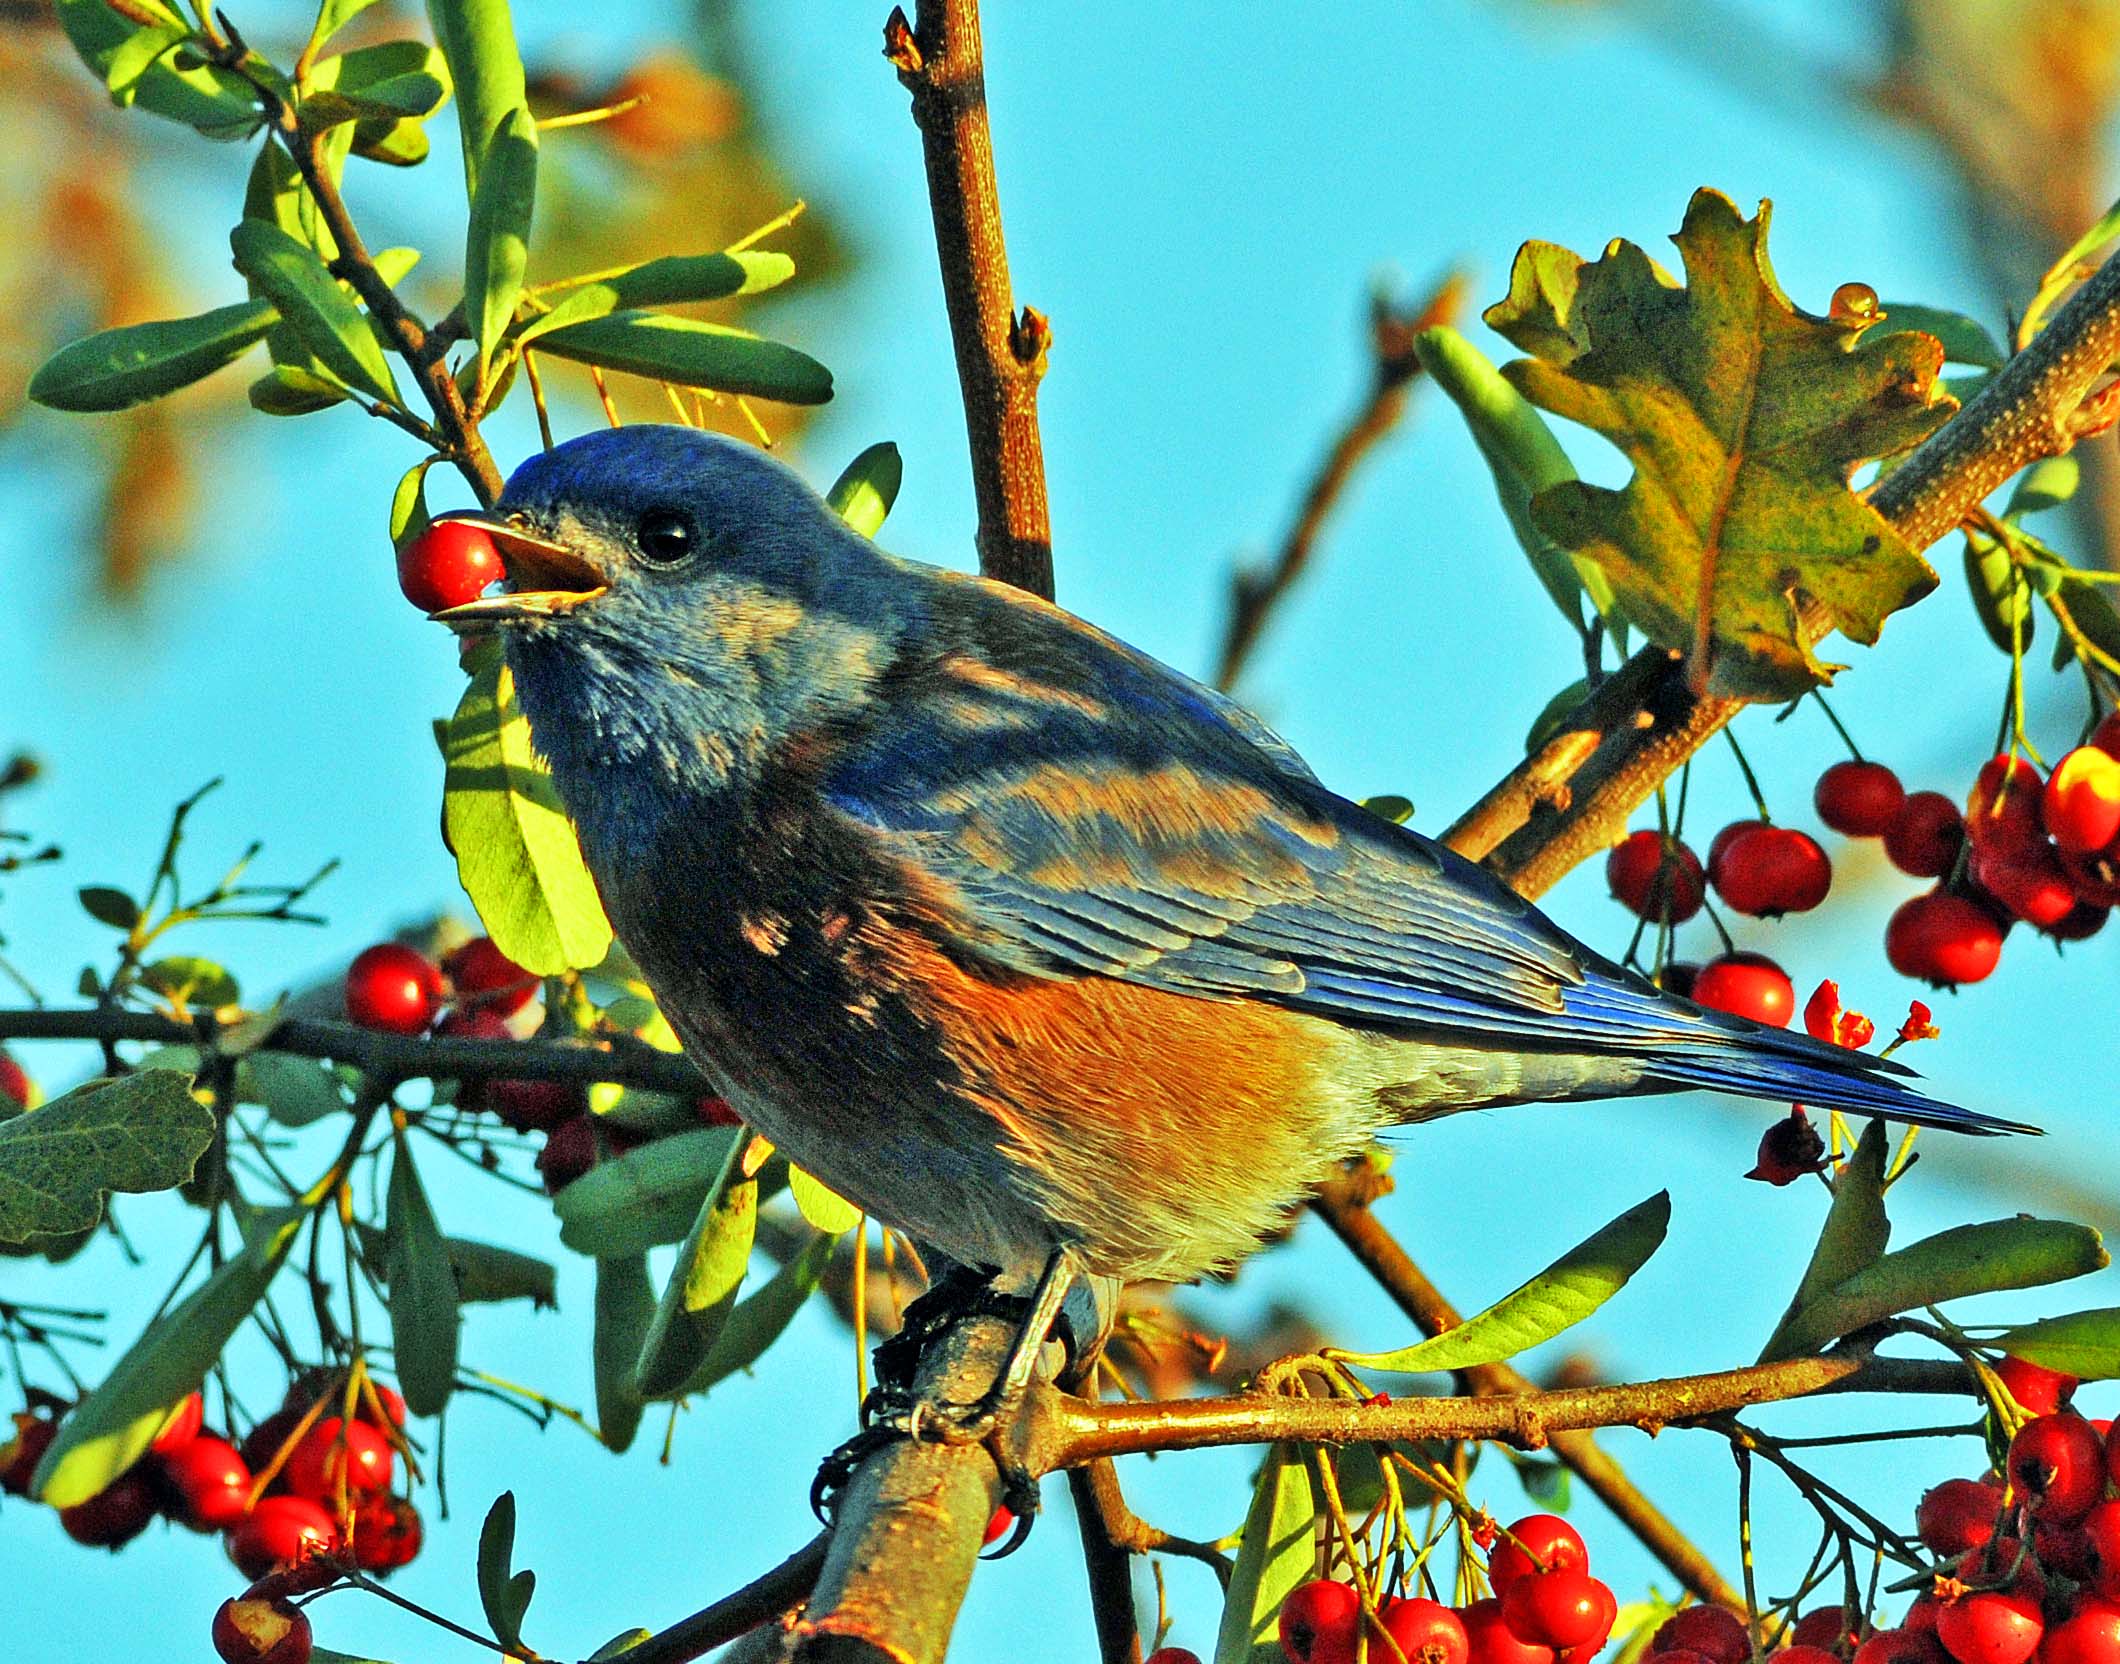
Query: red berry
[(1924, 836), (534, 1105), (1653, 876), (2095, 878), (19, 1457), (2083, 922), (250, 1631), (1943, 939), (1770, 870), (261, 1445), (390, 1398), (1728, 835), (2038, 1391), (1957, 1515), (1826, 1627), (998, 1525), (182, 1426), (449, 563), (2081, 802), (1712, 1631), (209, 1482), (1427, 1631), (15, 1085), (280, 1531), (393, 988), (1805, 1654), (2004, 805), (1788, 1150), (337, 1452), (386, 1533), (1901, 1646), (488, 979), (1318, 1622), (1537, 1542), (2088, 1636), (2028, 881), (115, 1515), (1993, 1626), (1559, 1609), (2057, 1465), (1921, 1615), (717, 1112), (1859, 799), (1172, 1655), (2063, 1548), (1491, 1641), (569, 1152), (1747, 985)]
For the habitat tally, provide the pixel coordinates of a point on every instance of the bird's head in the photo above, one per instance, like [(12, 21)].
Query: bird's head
[(678, 597)]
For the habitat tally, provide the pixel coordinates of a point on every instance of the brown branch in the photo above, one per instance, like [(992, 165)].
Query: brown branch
[(1000, 355), (1109, 1564), (760, 1601), (1395, 368)]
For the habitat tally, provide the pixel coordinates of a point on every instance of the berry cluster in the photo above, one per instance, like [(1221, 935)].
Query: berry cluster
[(1546, 1609)]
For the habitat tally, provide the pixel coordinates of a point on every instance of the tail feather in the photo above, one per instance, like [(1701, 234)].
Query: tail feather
[(1688, 1045)]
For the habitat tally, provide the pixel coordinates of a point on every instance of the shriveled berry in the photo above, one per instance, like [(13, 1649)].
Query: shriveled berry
[(1712, 1631), (393, 988), (1925, 835), (2038, 1391), (1492, 1641), (449, 563), (1747, 985), (1991, 1626), (115, 1515), (208, 1482), (1788, 1150), (1957, 1515), (32, 1436), (1537, 1542), (1318, 1622), (1824, 1019), (336, 1453), (386, 1533), (1858, 799), (1655, 876), (1427, 1631), (2057, 1464), (281, 1531), (1558, 1609), (1943, 939), (247, 1630), (1770, 870)]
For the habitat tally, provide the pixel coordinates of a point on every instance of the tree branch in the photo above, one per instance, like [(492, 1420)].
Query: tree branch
[(758, 1602), (1395, 367), (1000, 355), (1109, 1564)]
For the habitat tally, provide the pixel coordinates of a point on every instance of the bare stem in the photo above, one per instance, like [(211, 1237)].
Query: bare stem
[(758, 1602)]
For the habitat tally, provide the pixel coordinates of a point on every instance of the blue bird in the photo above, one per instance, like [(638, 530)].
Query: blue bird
[(1033, 947)]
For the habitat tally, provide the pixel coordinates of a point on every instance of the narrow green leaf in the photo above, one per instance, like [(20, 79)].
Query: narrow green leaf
[(1965, 341), (504, 1592), (1855, 1235), (137, 54), (294, 1091), (1968, 1259), (117, 368), (487, 1272), (423, 1304), (111, 1428), (620, 1644), (332, 16), (477, 37), (107, 906), (703, 1283), (693, 353), (408, 511), (673, 280), (294, 279), (1558, 1298), (760, 1318), (820, 1204), (2093, 614), (1999, 593), (862, 496), (2046, 484), (516, 852), (646, 1196), (625, 1304), (290, 390), (497, 244), (2083, 1344), (211, 101), (1277, 1553), (137, 1133)]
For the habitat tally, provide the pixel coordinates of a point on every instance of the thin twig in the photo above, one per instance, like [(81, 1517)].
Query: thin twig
[(760, 1601), (1111, 1571)]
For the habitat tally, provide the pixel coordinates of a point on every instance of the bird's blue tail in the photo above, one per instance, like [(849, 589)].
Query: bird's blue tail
[(1687, 1045)]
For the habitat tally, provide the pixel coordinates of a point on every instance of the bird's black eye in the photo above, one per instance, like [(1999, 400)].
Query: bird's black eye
[(666, 536)]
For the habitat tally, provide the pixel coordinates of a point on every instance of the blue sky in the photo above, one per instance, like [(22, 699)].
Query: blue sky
[(1199, 197)]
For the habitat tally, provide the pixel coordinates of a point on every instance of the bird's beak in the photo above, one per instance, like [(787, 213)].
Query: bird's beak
[(546, 578)]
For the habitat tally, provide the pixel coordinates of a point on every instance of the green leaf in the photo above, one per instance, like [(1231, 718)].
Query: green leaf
[(391, 81), (294, 1091), (111, 1428), (1744, 419), (395, 144), (701, 1292), (1552, 721), (820, 1204), (1390, 806), (136, 55), (497, 244), (136, 1133), (486, 1272), (1558, 1298), (649, 1195), (862, 496), (673, 280), (323, 315), (1968, 1259), (620, 1644), (2000, 595), (107, 906), (2046, 484), (504, 1592), (423, 1302), (191, 980), (625, 1305), (516, 853), (1545, 1483), (215, 102), (408, 511), (1856, 1234), (477, 37), (2083, 1344), (332, 16), (2091, 612), (1965, 341), (693, 353), (115, 369), (760, 1318), (1277, 1553), (290, 390), (1523, 457)]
